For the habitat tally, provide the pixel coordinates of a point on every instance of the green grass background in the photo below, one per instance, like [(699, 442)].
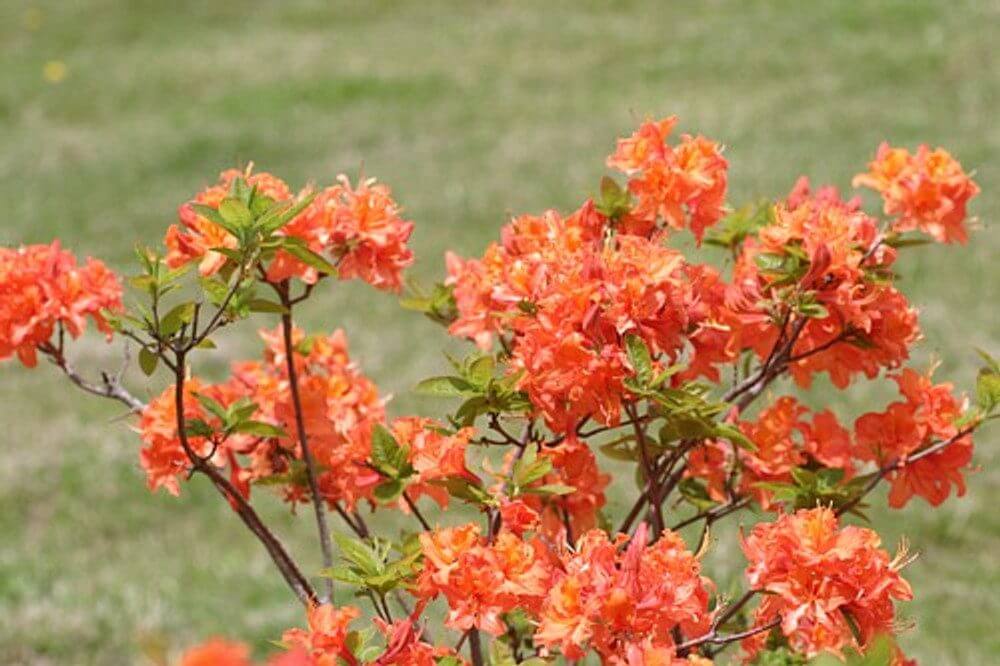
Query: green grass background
[(471, 111)]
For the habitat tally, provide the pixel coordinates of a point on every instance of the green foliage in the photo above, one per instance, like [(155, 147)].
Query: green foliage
[(368, 564), (482, 389)]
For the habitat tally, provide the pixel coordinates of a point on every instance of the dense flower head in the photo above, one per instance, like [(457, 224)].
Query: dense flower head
[(830, 250), (617, 596), (567, 297), (927, 414), (574, 465), (359, 227), (683, 185), (434, 454), (42, 289), (821, 579), (480, 579), (926, 190), (785, 439), (340, 408)]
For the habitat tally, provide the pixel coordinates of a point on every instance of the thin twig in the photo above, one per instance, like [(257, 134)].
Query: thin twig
[(326, 547), (286, 565), (900, 463)]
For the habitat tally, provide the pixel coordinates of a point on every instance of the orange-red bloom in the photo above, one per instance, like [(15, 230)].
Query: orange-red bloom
[(480, 580), (683, 185), (617, 599), (217, 652), (926, 415), (325, 641), (433, 454), (821, 579), (360, 228), (926, 190), (42, 288)]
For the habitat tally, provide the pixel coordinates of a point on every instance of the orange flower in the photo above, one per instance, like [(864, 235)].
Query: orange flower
[(325, 641), (574, 465), (42, 288), (433, 454), (777, 435), (217, 652), (360, 228), (927, 414), (683, 186), (405, 647), (482, 581), (926, 190), (195, 236), (832, 240), (616, 600), (820, 579)]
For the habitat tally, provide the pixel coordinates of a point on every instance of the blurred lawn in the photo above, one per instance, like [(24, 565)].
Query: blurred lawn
[(470, 111)]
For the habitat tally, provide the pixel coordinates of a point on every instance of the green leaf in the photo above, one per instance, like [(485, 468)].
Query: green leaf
[(639, 358), (734, 435), (171, 322), (359, 554), (235, 212), (445, 387), (526, 475), (614, 200), (481, 371), (388, 456), (213, 406), (148, 361), (264, 305), (463, 489), (988, 390), (198, 428), (209, 213), (297, 249), (260, 429), (501, 654), (278, 217), (388, 491), (548, 489)]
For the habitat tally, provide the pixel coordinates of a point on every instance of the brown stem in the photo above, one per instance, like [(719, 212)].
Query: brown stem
[(475, 648), (286, 565), (900, 463), (110, 387), (713, 514), (325, 543), (648, 469), (416, 511), (715, 638)]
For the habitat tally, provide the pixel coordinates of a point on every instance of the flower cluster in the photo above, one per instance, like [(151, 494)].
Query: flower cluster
[(786, 437), (826, 254), (683, 185), (832, 587), (43, 289), (927, 414), (482, 580), (624, 601), (926, 190), (568, 296), (340, 408), (597, 337), (327, 642), (359, 227)]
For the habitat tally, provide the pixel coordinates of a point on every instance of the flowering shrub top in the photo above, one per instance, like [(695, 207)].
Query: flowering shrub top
[(596, 338)]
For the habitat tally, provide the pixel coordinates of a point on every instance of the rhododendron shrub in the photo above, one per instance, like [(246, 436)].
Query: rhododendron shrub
[(596, 339)]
